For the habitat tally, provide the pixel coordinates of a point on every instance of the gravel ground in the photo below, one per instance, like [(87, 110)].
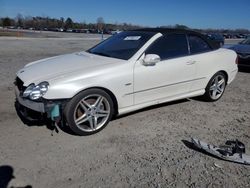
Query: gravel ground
[(142, 149)]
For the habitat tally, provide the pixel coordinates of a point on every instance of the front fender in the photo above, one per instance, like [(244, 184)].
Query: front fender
[(120, 83)]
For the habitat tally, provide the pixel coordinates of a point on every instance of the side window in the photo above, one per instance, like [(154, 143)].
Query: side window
[(169, 46), (197, 44)]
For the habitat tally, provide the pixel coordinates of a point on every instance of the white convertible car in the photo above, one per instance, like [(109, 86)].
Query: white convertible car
[(126, 72)]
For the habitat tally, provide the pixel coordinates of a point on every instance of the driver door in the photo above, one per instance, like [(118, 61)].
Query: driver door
[(170, 77)]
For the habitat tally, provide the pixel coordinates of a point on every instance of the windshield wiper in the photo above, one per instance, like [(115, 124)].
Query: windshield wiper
[(101, 53)]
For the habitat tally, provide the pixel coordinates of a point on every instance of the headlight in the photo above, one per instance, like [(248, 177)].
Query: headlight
[(28, 90), (34, 92)]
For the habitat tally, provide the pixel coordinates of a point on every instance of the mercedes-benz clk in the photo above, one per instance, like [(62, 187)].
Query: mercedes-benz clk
[(126, 72)]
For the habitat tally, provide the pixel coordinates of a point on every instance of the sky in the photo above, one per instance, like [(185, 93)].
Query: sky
[(220, 14)]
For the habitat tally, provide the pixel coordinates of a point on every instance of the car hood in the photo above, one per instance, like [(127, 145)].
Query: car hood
[(241, 48), (54, 67)]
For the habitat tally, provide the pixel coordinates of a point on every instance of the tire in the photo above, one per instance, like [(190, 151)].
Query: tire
[(215, 87), (89, 111)]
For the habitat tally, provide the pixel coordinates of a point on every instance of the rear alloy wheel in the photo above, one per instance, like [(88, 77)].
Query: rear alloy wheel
[(89, 111), (215, 87)]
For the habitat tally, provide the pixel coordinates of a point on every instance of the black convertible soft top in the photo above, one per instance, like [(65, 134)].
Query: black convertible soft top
[(166, 31)]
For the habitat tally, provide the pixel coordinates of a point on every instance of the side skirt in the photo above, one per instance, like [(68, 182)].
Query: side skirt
[(159, 101)]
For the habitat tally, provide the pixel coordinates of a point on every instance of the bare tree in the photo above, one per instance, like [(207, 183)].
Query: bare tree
[(28, 22), (100, 23), (69, 23), (43, 22), (7, 22), (19, 20), (61, 22)]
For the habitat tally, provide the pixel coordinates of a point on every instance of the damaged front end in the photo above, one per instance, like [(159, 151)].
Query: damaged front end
[(32, 106)]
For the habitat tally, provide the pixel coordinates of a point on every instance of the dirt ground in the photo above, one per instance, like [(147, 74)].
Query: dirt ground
[(142, 149)]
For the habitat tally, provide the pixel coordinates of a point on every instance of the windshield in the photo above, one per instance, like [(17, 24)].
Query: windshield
[(123, 45), (247, 41)]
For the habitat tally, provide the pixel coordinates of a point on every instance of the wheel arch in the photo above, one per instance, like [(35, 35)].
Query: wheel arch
[(207, 97), (225, 73), (222, 71), (109, 92)]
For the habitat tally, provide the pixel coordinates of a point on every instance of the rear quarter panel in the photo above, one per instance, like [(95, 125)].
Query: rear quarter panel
[(209, 63)]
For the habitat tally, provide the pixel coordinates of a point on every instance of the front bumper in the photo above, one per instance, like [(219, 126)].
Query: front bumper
[(244, 56), (36, 106), (244, 60), (45, 106)]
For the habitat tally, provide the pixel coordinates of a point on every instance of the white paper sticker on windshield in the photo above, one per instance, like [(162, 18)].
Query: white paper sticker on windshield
[(132, 38)]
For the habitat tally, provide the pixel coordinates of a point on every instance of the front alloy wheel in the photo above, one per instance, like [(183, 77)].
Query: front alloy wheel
[(89, 111)]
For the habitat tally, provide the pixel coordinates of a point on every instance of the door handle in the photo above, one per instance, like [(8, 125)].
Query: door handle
[(190, 62)]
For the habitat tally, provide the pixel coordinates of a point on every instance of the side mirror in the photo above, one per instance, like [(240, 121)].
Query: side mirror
[(151, 59)]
